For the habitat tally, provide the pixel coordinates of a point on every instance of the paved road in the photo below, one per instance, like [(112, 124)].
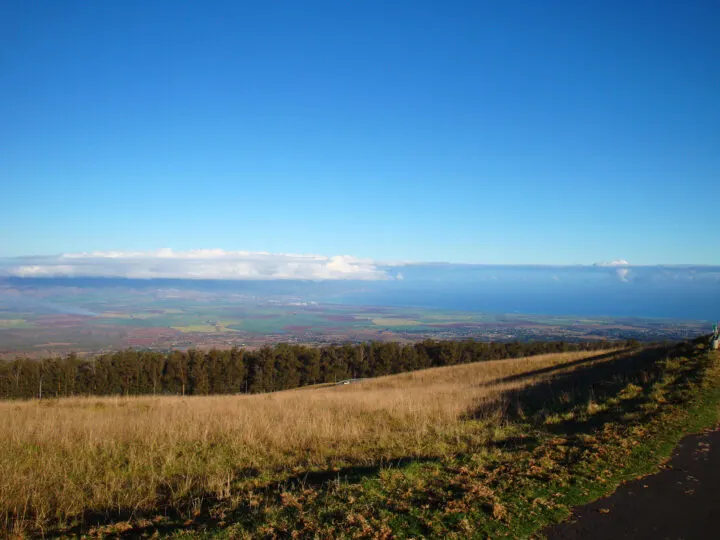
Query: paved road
[(682, 501)]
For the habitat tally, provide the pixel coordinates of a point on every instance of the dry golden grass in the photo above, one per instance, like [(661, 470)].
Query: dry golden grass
[(61, 458)]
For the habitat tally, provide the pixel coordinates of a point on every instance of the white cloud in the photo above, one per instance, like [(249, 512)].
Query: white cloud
[(619, 262), (621, 265), (623, 273), (197, 264)]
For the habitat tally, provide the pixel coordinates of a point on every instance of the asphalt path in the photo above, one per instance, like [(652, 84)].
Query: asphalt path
[(682, 501)]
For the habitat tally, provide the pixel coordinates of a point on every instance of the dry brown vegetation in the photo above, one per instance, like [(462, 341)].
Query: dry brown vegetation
[(62, 458)]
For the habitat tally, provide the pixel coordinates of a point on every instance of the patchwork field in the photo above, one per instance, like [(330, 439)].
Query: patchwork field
[(46, 321)]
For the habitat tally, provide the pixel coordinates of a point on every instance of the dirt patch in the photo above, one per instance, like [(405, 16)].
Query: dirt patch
[(146, 337), (62, 320), (455, 325), (153, 332)]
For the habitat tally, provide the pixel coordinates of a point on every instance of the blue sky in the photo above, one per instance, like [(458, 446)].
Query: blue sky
[(556, 132)]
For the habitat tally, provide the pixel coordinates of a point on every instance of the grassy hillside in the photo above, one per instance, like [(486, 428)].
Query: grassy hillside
[(488, 448)]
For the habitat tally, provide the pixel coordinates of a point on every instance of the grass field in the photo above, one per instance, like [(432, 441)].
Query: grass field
[(60, 458), (15, 323), (145, 462), (395, 322)]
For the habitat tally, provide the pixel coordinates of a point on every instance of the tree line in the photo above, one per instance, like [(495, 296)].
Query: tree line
[(238, 370)]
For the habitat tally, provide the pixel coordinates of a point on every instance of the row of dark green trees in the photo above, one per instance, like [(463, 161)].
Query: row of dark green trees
[(267, 369)]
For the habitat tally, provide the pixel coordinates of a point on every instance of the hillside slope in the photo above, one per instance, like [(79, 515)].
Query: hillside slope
[(487, 448)]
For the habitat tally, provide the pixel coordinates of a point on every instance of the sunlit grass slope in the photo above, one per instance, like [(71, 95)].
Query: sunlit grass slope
[(60, 459)]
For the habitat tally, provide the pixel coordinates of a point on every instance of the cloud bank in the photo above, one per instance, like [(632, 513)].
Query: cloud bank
[(619, 262), (218, 264), (622, 271), (196, 264)]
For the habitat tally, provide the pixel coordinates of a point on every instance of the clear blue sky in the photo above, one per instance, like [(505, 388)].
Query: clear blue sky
[(490, 132)]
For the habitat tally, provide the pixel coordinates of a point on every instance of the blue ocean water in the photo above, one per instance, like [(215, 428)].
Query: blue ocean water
[(676, 292), (676, 302)]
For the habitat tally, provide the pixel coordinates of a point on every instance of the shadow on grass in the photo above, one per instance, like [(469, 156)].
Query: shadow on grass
[(206, 516), (526, 442), (528, 375), (351, 474), (594, 381)]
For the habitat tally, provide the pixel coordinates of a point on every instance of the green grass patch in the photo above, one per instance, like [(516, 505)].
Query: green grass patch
[(15, 323), (391, 321), (205, 328)]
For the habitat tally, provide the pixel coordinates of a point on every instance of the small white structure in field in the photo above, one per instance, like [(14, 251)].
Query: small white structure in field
[(715, 342)]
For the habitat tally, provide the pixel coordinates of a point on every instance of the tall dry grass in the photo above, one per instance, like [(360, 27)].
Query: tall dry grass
[(59, 459)]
